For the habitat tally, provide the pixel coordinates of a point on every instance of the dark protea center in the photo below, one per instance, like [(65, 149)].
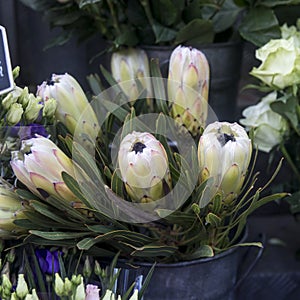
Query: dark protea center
[(50, 82), (138, 147), (224, 138)]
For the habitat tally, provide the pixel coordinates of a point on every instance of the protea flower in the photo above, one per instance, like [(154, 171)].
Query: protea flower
[(144, 167), (71, 104), (11, 209), (39, 166), (128, 65), (224, 153), (188, 84)]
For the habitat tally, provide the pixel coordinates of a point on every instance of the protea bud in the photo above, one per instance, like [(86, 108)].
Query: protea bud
[(11, 209), (188, 84), (39, 165), (144, 167), (71, 104), (224, 153), (128, 65)]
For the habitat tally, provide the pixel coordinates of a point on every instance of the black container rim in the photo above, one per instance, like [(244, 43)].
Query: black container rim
[(218, 256)]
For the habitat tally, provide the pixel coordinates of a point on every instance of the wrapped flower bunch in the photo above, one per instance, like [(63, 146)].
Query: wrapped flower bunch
[(142, 169)]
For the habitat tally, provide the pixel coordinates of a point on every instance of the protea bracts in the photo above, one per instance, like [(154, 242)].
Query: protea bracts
[(144, 167), (188, 84)]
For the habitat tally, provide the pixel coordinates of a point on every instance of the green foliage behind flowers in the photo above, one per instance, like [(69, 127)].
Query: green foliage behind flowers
[(163, 22)]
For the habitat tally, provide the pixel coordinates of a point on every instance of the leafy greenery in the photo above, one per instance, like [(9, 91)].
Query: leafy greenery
[(163, 22)]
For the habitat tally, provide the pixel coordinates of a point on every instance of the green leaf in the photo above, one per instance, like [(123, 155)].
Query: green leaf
[(95, 83), (196, 32), (288, 109), (58, 236), (213, 219), (159, 89), (165, 12), (226, 16), (153, 250), (177, 217), (259, 26), (26, 194), (83, 3), (146, 282), (119, 112), (125, 236), (127, 37), (33, 239), (75, 188), (201, 252), (117, 184), (50, 213), (294, 201), (163, 34), (60, 40)]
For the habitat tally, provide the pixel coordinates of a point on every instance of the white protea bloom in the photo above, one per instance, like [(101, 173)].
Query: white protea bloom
[(39, 165), (144, 167), (188, 85), (224, 153), (130, 64), (71, 104)]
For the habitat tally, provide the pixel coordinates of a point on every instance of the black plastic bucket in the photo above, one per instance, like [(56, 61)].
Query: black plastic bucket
[(214, 278)]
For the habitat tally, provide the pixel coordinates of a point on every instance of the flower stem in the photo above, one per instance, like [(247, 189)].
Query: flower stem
[(290, 161), (146, 6), (114, 16)]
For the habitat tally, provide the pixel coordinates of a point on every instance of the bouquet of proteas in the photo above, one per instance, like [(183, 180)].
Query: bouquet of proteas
[(143, 169)]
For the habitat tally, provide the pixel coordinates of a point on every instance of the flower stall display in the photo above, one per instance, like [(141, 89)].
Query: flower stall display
[(274, 120), (151, 176)]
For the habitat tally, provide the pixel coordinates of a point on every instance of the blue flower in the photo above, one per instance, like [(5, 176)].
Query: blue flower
[(48, 261)]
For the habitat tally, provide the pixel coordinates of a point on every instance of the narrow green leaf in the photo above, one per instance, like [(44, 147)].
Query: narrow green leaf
[(213, 220), (159, 89), (146, 282), (117, 184), (153, 250), (56, 236), (95, 83), (50, 213)]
